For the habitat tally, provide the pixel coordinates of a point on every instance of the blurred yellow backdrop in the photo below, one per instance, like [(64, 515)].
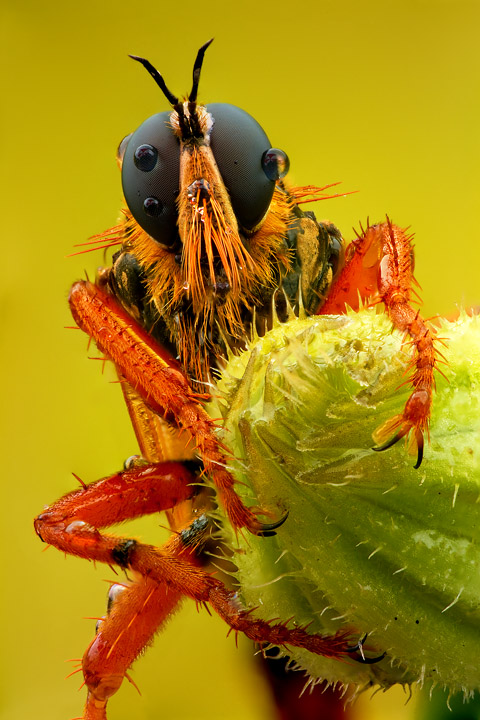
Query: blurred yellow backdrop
[(381, 95)]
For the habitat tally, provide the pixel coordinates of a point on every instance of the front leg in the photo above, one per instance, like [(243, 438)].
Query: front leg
[(379, 268), (158, 379)]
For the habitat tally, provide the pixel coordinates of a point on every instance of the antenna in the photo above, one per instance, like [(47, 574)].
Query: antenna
[(197, 67), (196, 71), (172, 99)]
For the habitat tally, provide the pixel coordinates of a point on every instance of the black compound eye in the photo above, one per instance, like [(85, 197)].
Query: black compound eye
[(145, 157), (151, 178), (239, 145), (153, 207), (121, 149), (275, 164)]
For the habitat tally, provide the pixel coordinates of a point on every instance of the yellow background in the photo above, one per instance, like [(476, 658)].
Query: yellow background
[(383, 96)]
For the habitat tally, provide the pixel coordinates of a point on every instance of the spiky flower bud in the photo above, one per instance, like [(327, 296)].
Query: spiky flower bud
[(370, 544)]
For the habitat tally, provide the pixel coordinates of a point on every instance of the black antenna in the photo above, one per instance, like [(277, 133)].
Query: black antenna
[(172, 99), (196, 71)]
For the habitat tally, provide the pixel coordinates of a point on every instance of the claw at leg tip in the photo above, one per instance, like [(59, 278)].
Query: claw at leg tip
[(268, 529), (420, 444), (419, 455), (389, 443), (358, 648)]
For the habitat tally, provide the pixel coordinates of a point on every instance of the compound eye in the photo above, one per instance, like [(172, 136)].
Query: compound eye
[(275, 164), (121, 149), (151, 178), (239, 145), (145, 157)]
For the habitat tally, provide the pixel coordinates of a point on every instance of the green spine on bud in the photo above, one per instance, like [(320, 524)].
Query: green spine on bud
[(370, 544)]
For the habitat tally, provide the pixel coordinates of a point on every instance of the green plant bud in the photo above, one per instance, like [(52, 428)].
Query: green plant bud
[(370, 545)]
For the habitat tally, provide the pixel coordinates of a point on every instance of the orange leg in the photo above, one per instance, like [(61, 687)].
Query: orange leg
[(162, 385), (165, 575), (72, 523), (68, 524), (136, 611), (379, 268)]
